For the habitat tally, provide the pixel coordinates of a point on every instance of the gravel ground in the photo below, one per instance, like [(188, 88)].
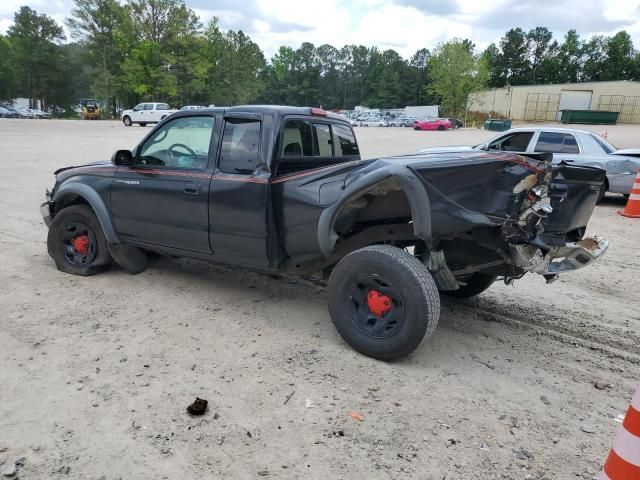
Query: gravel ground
[(521, 382)]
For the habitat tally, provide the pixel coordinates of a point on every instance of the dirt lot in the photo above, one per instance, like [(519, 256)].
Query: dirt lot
[(96, 372)]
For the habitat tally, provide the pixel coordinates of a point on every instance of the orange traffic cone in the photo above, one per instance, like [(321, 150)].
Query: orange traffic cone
[(623, 462), (633, 204)]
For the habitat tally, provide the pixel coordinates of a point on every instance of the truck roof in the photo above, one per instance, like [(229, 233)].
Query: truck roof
[(280, 110)]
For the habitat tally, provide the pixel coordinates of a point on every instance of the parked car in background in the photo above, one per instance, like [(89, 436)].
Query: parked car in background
[(148, 112), (456, 123), (432, 124), (40, 113), (192, 107), (403, 122), (374, 122), (569, 145), (6, 113), (26, 113)]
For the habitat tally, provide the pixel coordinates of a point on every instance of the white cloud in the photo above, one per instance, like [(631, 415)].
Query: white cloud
[(404, 25)]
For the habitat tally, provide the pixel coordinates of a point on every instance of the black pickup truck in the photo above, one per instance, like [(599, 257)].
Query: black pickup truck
[(283, 189)]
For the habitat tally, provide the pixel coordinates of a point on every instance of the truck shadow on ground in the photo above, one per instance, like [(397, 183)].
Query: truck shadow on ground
[(304, 302)]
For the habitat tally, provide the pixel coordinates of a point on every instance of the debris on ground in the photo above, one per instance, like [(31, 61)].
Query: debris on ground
[(286, 400), (198, 407), (357, 416)]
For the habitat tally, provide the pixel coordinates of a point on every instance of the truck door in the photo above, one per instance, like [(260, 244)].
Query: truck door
[(240, 203), (162, 199), (136, 113)]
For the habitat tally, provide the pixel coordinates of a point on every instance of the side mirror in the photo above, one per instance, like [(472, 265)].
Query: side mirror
[(122, 157)]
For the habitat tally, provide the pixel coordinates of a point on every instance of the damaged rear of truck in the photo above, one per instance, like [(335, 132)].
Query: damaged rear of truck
[(502, 215), (470, 218)]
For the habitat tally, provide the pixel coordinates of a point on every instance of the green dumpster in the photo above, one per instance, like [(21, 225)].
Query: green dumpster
[(589, 117), (497, 124)]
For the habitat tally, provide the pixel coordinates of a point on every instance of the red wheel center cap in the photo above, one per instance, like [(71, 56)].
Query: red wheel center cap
[(81, 244), (378, 303)]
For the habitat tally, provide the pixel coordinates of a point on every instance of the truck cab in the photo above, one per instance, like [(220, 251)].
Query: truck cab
[(212, 182)]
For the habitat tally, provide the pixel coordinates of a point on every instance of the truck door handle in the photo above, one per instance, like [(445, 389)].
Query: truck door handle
[(192, 189)]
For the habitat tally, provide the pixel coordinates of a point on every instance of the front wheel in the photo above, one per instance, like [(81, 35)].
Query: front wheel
[(76, 242), (127, 121), (474, 285), (383, 301)]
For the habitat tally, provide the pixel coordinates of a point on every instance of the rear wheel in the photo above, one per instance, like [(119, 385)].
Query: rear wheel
[(475, 284), (143, 124), (126, 120), (383, 301), (440, 127), (76, 242)]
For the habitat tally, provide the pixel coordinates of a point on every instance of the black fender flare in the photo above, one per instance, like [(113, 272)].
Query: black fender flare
[(95, 202), (413, 189)]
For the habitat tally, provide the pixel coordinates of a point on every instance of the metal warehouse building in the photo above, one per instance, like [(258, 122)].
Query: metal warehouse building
[(546, 102)]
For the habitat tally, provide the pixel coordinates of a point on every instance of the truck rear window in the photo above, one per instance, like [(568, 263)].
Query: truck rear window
[(310, 144), (344, 141)]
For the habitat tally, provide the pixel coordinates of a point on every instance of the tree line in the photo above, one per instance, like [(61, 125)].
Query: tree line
[(123, 53)]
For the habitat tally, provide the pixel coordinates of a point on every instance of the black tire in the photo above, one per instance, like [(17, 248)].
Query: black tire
[(399, 280), (476, 284), (127, 121), (76, 242), (441, 127), (143, 124)]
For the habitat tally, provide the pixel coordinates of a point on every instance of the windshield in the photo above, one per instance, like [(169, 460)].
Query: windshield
[(606, 146)]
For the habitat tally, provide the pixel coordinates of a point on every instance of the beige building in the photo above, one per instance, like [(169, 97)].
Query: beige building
[(546, 102)]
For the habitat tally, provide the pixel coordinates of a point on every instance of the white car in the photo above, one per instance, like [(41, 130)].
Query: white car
[(144, 113), (374, 122), (32, 113), (192, 107)]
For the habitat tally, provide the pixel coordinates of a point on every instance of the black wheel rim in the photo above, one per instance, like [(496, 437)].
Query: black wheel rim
[(79, 244), (385, 320)]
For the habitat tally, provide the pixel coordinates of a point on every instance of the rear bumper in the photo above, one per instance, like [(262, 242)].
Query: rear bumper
[(570, 257), (45, 211)]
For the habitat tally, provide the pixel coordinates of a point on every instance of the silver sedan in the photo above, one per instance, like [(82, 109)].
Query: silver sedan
[(569, 145)]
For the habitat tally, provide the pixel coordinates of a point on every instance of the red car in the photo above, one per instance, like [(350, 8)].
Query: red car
[(432, 124)]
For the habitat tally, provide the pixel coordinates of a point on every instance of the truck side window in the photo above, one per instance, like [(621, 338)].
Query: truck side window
[(344, 141), (148, 106), (240, 146), (181, 143), (296, 139)]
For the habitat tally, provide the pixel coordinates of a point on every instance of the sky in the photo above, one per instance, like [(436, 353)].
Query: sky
[(404, 25)]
